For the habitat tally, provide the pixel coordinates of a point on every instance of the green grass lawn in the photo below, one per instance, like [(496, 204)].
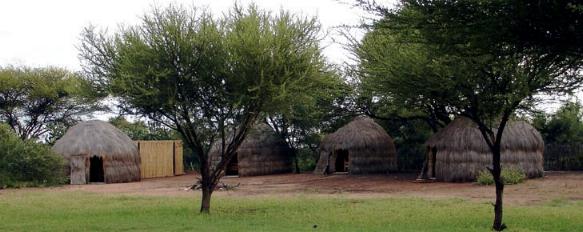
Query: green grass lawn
[(79, 211)]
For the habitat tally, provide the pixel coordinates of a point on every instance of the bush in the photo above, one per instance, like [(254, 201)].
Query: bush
[(26, 163), (307, 160), (509, 176), (485, 178)]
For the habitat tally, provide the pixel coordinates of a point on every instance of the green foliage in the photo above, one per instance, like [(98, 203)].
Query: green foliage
[(34, 100), (509, 176), (485, 178), (209, 78), (139, 130), (563, 134), (61, 211), (26, 163), (409, 137), (563, 127), (204, 75), (312, 105), (307, 160), (474, 63)]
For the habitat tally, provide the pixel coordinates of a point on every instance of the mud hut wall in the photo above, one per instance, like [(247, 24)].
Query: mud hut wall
[(120, 170), (369, 160), (460, 166), (264, 160), (372, 160)]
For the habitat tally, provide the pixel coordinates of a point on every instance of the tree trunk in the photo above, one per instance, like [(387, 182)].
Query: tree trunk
[(498, 225), (297, 166), (206, 185), (205, 205), (496, 173)]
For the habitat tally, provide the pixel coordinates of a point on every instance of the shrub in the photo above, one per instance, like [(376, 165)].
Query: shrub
[(509, 176), (306, 160), (513, 176), (26, 163), (485, 178)]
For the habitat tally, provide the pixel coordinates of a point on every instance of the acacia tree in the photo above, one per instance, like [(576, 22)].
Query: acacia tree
[(484, 59), (141, 130), (208, 78), (34, 100), (384, 64), (311, 104)]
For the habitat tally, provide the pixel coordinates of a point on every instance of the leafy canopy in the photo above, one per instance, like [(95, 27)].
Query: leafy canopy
[(34, 100), (207, 77)]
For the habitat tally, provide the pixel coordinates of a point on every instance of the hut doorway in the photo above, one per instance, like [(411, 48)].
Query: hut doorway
[(233, 167), (96, 173), (341, 164)]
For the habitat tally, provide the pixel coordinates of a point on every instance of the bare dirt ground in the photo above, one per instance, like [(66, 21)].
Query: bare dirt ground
[(555, 185)]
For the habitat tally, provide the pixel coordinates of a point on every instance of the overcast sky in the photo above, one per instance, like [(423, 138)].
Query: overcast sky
[(41, 33)]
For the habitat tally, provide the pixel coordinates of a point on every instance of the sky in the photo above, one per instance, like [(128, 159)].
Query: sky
[(41, 33)]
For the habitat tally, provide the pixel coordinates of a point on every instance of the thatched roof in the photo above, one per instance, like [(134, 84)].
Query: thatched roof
[(463, 134), (96, 138), (262, 136), (362, 132)]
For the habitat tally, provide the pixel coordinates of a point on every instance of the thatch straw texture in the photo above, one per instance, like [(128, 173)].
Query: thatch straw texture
[(121, 161), (461, 151), (370, 149), (261, 153)]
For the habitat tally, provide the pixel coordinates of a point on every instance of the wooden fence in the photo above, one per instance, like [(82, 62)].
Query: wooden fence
[(160, 158), (563, 157)]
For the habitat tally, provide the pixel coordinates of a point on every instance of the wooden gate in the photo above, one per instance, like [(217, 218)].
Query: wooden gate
[(160, 158)]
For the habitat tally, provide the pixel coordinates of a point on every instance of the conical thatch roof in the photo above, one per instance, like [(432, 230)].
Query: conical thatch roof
[(463, 134), (461, 151), (261, 153), (371, 149), (97, 138), (360, 133), (262, 136)]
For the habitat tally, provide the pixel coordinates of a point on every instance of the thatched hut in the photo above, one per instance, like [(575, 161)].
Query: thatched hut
[(458, 152), (99, 152), (360, 147), (261, 153)]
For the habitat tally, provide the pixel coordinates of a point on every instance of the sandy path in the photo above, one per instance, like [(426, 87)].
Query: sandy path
[(555, 185)]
